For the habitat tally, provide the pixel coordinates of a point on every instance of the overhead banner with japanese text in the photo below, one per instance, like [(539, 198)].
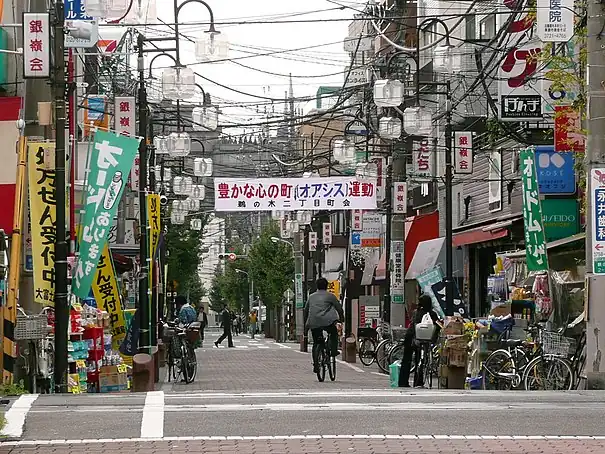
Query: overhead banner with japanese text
[(111, 161), (107, 294), (535, 240), (43, 217), (288, 194)]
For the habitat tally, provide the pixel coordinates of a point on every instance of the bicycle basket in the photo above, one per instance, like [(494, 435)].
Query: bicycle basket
[(31, 327), (556, 344)]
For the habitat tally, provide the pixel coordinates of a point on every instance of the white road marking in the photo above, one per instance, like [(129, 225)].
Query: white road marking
[(16, 414), (332, 393), (380, 374), (283, 345), (304, 437), (351, 366), (262, 346), (152, 425)]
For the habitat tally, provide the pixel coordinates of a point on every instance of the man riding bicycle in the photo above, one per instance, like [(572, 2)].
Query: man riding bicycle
[(322, 311)]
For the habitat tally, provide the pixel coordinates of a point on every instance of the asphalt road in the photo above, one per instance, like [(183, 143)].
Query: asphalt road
[(262, 400)]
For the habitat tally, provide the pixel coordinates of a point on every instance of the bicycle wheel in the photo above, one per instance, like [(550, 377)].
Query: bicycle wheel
[(382, 355), (191, 363), (321, 365), (396, 354), (498, 363), (548, 373), (332, 367), (185, 363), (428, 366), (367, 352)]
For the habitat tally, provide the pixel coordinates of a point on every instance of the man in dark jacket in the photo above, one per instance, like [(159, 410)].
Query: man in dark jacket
[(203, 319), (322, 311), (227, 322)]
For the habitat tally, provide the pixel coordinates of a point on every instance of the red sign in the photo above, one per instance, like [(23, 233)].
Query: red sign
[(232, 257), (568, 132)]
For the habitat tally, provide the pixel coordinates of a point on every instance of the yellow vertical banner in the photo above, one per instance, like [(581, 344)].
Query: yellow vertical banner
[(43, 212), (334, 288), (153, 217), (107, 294)]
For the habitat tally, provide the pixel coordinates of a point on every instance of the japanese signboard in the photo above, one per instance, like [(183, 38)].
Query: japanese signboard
[(555, 20), (95, 114), (381, 167), (356, 76), (397, 276), (327, 233), (113, 158), (82, 30), (107, 294), (372, 226), (36, 45), (400, 197), (556, 172), (43, 212), (298, 291), (463, 152), (125, 124), (357, 220), (334, 288), (568, 130), (288, 194), (554, 94), (597, 193), (312, 241), (423, 159), (535, 240), (561, 218), (519, 99), (153, 217)]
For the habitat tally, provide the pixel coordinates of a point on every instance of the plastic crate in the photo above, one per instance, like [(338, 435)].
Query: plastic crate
[(31, 327)]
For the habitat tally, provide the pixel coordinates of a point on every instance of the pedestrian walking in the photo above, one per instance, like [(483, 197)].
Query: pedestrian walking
[(203, 319), (227, 320), (253, 320)]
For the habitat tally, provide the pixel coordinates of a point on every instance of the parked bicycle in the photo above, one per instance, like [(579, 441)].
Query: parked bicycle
[(181, 358)]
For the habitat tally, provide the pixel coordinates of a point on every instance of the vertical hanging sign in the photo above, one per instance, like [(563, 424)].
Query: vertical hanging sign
[(43, 212), (357, 220), (327, 233), (125, 124), (400, 197), (36, 45), (535, 240), (597, 193), (555, 20), (397, 276), (463, 152), (312, 241), (423, 159)]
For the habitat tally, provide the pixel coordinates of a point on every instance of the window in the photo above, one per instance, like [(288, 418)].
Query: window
[(470, 23), (487, 27)]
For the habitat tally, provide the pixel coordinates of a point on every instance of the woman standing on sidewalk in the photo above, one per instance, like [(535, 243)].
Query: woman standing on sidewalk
[(253, 320)]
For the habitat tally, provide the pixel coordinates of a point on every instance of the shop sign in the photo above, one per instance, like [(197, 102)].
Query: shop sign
[(334, 288), (555, 20), (357, 220), (423, 160), (86, 26), (597, 193), (535, 241), (114, 157), (36, 48), (397, 276), (561, 218), (107, 294), (519, 65), (568, 130), (463, 152), (43, 212), (125, 124), (556, 95), (298, 290), (494, 176), (556, 172), (381, 164), (355, 240), (400, 197), (426, 281), (372, 227), (95, 114), (312, 241), (327, 233), (288, 194), (438, 291)]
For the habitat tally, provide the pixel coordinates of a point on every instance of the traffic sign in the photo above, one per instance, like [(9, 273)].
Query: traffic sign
[(232, 257), (597, 192), (82, 29)]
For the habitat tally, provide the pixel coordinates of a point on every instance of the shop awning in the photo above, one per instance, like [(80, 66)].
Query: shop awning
[(427, 255), (553, 244), (482, 234)]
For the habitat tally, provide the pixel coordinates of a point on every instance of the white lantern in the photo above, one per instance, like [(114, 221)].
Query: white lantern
[(443, 59), (155, 94), (180, 206), (292, 226), (142, 12), (304, 217), (418, 121), (196, 224), (178, 83), (212, 47), (182, 185), (366, 171), (177, 218), (179, 144), (192, 204), (344, 151), (198, 192), (278, 214), (388, 93), (106, 9), (161, 144), (389, 128), (205, 117), (202, 167)]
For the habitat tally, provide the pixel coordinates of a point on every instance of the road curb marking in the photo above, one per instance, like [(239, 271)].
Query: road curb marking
[(16, 414), (152, 424)]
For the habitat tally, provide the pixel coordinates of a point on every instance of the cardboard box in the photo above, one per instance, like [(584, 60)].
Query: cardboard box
[(457, 342), (456, 378), (110, 380), (454, 327), (457, 358)]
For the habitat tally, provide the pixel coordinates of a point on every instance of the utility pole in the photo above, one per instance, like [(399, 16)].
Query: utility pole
[(595, 157), (144, 312), (394, 305), (61, 297), (298, 290), (449, 253)]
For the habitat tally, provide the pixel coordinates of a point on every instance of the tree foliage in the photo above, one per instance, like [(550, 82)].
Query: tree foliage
[(184, 256)]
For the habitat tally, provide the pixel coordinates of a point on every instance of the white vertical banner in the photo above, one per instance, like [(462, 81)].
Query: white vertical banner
[(312, 241), (36, 45), (357, 220), (400, 199), (397, 274), (463, 152), (125, 124), (327, 233), (555, 20), (424, 159)]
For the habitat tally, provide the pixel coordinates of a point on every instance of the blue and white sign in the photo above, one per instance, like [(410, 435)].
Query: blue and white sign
[(596, 186), (556, 173), (356, 240), (82, 30)]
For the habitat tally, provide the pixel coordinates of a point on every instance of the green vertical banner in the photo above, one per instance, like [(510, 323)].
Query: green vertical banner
[(110, 163), (535, 242)]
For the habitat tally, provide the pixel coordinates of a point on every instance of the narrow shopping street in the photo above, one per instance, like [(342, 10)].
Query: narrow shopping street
[(262, 397)]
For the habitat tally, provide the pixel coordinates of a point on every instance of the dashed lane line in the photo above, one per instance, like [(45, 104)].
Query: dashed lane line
[(152, 424)]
